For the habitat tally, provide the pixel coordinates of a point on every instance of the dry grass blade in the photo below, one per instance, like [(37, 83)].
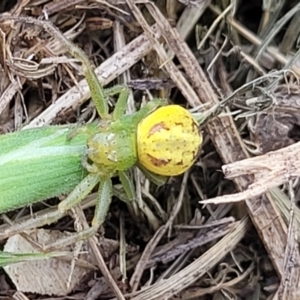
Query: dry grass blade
[(196, 269), (266, 174), (284, 206), (288, 288)]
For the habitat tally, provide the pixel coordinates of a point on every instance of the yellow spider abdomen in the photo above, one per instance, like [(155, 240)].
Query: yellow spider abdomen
[(168, 141)]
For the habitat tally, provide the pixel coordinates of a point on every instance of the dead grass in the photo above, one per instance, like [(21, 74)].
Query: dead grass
[(237, 67)]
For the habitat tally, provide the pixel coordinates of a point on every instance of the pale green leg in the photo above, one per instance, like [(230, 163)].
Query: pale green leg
[(103, 202), (127, 184), (148, 108), (90, 168), (97, 92), (121, 104), (73, 132), (83, 189), (115, 90), (80, 192), (96, 89), (158, 180)]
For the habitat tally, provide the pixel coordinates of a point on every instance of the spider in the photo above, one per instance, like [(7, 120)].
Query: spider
[(161, 139)]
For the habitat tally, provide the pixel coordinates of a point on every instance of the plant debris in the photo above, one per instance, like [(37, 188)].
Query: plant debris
[(237, 68)]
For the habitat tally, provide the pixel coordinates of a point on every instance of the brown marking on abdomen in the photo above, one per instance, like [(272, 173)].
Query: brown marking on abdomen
[(157, 127), (158, 162)]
